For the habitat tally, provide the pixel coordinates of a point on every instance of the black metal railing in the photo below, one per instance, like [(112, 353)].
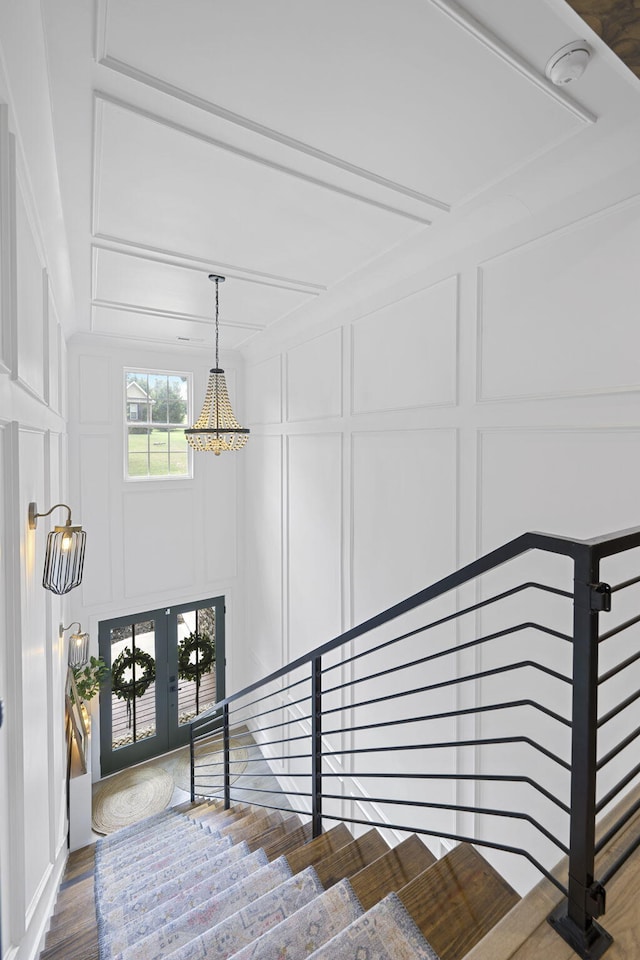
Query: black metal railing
[(330, 720)]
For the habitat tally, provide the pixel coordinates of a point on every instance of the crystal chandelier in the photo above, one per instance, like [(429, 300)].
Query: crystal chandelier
[(217, 428)]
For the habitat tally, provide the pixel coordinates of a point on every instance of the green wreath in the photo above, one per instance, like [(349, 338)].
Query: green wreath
[(205, 647), (128, 690)]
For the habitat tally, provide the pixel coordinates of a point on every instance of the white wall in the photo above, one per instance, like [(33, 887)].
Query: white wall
[(33, 829), (491, 393), (150, 543)]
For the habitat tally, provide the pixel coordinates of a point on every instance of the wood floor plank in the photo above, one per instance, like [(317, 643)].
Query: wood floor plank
[(457, 901)]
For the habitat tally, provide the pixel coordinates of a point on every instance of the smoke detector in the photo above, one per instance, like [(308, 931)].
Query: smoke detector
[(568, 63)]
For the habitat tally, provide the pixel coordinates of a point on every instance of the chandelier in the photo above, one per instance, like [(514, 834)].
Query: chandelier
[(217, 428)]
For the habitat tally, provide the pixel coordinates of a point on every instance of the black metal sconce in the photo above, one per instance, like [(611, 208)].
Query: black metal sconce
[(64, 556)]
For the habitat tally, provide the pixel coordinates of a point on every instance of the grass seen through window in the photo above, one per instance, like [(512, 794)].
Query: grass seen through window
[(156, 413), (158, 453)]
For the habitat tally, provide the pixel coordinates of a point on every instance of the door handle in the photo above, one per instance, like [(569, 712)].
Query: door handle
[(173, 687)]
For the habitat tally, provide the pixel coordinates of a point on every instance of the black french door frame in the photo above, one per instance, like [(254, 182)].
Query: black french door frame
[(169, 733)]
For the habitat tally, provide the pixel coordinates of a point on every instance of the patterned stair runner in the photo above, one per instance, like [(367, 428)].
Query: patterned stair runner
[(179, 887)]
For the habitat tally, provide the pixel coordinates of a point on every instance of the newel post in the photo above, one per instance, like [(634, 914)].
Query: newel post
[(575, 919)]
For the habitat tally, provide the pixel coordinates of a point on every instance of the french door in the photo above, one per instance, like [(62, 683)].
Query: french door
[(167, 666)]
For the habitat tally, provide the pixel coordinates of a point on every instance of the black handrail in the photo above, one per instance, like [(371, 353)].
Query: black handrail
[(306, 689)]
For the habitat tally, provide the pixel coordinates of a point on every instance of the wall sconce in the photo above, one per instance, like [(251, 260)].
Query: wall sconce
[(64, 556), (78, 645)]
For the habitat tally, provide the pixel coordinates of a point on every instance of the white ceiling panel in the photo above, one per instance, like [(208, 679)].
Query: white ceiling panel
[(132, 281), (162, 188), (146, 326), (411, 91)]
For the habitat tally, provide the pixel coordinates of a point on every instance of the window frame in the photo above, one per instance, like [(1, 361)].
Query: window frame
[(152, 372)]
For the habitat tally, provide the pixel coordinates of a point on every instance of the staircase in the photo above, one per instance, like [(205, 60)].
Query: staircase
[(200, 881)]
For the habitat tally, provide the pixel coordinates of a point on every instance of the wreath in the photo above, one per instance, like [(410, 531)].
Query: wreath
[(205, 649), (128, 690)]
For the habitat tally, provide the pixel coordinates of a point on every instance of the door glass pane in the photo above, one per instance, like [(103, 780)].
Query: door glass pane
[(133, 698), (196, 662)]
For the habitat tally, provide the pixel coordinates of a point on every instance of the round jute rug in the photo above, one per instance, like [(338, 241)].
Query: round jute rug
[(209, 769), (130, 796)]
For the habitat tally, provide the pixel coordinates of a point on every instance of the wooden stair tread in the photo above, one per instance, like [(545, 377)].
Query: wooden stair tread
[(78, 862), (351, 858), (286, 825), (319, 848), (76, 891), (209, 813), (80, 946), (249, 826), (287, 842), (457, 901), (391, 871)]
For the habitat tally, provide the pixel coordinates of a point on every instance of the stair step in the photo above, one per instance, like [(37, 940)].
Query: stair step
[(251, 826), (319, 848), (287, 841), (66, 911), (351, 858), (79, 946), (457, 901), (286, 825), (79, 862), (391, 871)]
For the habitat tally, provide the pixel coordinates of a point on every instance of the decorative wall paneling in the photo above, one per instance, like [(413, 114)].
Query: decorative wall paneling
[(14, 906), (53, 359), (502, 436), (314, 378), (53, 650), (315, 528), (221, 516), (95, 390), (7, 244), (567, 335), (264, 392), (32, 288), (150, 542), (34, 672), (95, 465), (32, 764), (405, 354), (164, 522)]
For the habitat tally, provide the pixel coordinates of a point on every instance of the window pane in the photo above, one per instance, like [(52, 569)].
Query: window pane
[(138, 452), (177, 400), (196, 662), (158, 394), (137, 396), (157, 400), (133, 701)]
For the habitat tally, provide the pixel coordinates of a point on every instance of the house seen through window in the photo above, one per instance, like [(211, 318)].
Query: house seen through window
[(156, 413)]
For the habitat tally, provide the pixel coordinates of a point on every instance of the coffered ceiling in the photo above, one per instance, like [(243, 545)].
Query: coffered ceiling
[(288, 145)]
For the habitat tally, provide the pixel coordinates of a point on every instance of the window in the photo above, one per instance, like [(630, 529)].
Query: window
[(157, 406)]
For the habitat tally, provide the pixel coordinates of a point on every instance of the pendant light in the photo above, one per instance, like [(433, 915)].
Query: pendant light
[(216, 428)]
